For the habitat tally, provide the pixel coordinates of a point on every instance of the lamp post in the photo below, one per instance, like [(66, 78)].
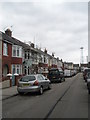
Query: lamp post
[(81, 54)]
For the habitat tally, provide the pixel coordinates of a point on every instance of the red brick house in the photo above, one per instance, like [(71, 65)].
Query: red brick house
[(11, 57)]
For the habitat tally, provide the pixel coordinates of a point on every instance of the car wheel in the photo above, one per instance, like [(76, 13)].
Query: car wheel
[(41, 91), (60, 81), (21, 93), (89, 91), (49, 86)]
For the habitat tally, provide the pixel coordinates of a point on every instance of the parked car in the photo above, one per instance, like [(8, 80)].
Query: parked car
[(56, 75), (67, 73), (62, 75), (85, 73), (33, 83), (88, 82)]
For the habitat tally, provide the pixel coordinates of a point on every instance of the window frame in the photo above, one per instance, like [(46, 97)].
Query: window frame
[(18, 51), (17, 67), (5, 49)]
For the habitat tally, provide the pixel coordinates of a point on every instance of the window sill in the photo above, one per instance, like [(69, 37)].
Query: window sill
[(16, 57), (5, 55)]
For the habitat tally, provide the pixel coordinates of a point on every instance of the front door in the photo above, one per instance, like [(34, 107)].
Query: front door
[(13, 80)]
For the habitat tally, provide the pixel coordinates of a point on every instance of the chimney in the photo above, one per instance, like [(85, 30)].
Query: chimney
[(53, 54), (8, 32), (32, 45), (57, 58), (45, 50), (61, 60)]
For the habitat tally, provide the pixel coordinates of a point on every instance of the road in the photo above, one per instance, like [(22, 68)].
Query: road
[(68, 99)]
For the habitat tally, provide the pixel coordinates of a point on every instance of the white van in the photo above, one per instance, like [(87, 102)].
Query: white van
[(67, 73)]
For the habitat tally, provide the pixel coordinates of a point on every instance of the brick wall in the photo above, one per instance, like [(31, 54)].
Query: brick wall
[(9, 60), (6, 60)]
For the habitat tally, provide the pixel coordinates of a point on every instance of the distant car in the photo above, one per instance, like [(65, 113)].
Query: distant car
[(67, 73), (56, 75), (33, 83), (62, 75), (88, 82), (85, 73)]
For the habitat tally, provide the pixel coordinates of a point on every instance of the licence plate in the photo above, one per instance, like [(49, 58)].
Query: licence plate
[(53, 77), (26, 84)]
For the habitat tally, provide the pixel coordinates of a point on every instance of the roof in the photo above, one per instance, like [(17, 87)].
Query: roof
[(25, 46), (13, 40), (69, 63), (75, 65), (84, 65)]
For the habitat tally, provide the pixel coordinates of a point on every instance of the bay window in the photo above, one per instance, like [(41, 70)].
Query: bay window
[(16, 68), (16, 51)]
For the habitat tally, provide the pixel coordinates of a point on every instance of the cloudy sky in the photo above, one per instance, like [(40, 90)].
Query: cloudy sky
[(61, 27)]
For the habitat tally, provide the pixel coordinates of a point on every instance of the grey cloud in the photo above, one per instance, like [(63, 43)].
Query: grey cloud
[(61, 28)]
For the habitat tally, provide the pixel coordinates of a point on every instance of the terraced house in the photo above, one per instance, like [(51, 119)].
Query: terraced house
[(11, 58), (18, 59)]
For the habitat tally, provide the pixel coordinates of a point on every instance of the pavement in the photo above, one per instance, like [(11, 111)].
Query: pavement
[(9, 92)]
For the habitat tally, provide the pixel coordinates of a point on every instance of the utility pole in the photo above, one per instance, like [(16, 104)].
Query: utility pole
[(81, 59)]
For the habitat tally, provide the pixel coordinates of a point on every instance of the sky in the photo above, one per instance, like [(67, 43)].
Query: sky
[(60, 27)]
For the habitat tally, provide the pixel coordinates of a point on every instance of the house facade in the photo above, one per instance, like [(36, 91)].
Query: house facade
[(68, 65), (76, 67), (11, 58)]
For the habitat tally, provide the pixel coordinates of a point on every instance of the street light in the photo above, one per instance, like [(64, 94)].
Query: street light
[(81, 61)]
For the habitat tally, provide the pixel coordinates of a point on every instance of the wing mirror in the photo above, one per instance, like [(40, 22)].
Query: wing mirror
[(46, 78)]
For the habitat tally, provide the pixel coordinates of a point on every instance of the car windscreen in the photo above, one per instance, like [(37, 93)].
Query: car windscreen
[(53, 72), (27, 78), (87, 70)]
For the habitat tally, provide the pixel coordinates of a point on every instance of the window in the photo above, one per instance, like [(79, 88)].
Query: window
[(28, 70), (5, 49), (16, 51), (25, 70), (25, 55), (44, 59), (28, 56), (16, 69)]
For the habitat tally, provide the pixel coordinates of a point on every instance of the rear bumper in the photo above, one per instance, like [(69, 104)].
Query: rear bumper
[(28, 89), (88, 84), (55, 80)]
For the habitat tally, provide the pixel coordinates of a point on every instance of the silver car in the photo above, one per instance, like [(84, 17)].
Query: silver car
[(33, 83)]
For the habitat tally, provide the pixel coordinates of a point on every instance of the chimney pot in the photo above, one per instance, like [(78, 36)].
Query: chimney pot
[(32, 45), (8, 32), (45, 50)]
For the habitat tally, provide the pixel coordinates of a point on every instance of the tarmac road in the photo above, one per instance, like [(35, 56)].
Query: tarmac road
[(68, 99)]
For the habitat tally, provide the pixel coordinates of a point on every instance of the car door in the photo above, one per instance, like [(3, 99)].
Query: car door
[(46, 81), (43, 81)]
